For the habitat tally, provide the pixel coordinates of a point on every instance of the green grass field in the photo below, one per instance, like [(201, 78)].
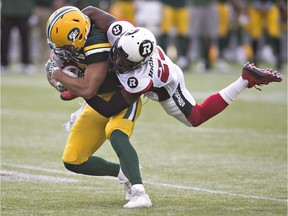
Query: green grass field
[(235, 164)]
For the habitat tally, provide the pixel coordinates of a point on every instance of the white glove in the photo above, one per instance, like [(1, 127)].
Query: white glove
[(50, 67)]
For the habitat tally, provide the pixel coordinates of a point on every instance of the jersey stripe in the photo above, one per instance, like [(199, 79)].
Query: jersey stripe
[(131, 112), (97, 48), (55, 18), (96, 51)]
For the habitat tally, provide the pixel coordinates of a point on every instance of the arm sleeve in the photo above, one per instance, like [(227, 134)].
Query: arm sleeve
[(100, 18), (116, 104)]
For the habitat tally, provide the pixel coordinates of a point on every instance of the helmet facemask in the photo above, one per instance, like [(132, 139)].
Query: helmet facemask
[(68, 52), (132, 50), (118, 60)]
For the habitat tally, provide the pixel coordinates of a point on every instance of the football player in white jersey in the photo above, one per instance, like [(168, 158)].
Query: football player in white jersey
[(143, 68)]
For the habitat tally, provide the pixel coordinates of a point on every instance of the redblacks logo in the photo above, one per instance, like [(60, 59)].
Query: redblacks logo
[(146, 48), (132, 82), (117, 29)]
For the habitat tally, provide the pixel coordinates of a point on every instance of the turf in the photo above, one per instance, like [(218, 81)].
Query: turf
[(235, 164)]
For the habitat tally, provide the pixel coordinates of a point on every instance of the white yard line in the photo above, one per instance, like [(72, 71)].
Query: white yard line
[(49, 178), (13, 176), (216, 192)]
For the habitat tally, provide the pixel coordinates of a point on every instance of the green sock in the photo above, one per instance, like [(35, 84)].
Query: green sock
[(127, 155), (163, 41), (95, 166), (221, 45), (182, 45)]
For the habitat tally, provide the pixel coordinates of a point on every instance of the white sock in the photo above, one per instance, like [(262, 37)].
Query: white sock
[(139, 187), (230, 93)]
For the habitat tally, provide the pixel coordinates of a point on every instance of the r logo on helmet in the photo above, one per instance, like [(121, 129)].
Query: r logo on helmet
[(146, 48), (73, 34), (117, 30)]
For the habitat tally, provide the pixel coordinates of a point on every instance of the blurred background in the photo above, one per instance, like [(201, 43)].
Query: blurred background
[(199, 35)]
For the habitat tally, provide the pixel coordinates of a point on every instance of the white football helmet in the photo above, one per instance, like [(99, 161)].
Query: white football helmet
[(132, 49), (117, 29)]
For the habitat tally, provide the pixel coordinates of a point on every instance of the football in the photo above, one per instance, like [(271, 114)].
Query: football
[(71, 70)]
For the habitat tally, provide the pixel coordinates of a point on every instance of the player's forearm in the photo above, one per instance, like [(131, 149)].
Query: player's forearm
[(100, 18), (108, 108), (86, 86), (74, 84)]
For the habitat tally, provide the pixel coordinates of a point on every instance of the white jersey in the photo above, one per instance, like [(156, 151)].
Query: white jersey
[(159, 79)]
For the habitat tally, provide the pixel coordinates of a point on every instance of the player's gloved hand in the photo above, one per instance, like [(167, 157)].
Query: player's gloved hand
[(60, 87), (50, 67)]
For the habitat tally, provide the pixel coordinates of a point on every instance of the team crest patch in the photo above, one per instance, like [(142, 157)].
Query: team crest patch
[(117, 29), (132, 82), (73, 34)]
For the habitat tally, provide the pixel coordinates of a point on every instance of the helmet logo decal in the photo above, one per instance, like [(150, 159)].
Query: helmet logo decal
[(73, 34), (146, 48), (132, 32), (117, 29), (132, 82)]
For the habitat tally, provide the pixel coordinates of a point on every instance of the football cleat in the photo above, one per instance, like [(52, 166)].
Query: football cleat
[(139, 198), (256, 76), (67, 95), (126, 184)]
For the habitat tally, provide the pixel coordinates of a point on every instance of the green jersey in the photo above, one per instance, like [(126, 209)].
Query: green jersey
[(201, 2), (175, 4), (96, 49)]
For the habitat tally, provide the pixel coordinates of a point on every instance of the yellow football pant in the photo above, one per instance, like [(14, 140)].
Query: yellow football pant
[(223, 14), (178, 17), (91, 130), (123, 10), (264, 19)]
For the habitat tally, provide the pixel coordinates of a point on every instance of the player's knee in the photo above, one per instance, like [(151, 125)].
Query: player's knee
[(196, 124), (72, 167), (117, 136), (195, 117), (126, 129), (73, 156)]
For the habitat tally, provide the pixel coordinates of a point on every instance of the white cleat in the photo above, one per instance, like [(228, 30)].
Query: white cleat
[(139, 198), (126, 184)]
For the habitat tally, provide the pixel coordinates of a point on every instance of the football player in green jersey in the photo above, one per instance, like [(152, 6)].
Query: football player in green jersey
[(72, 38), (264, 15), (176, 14)]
